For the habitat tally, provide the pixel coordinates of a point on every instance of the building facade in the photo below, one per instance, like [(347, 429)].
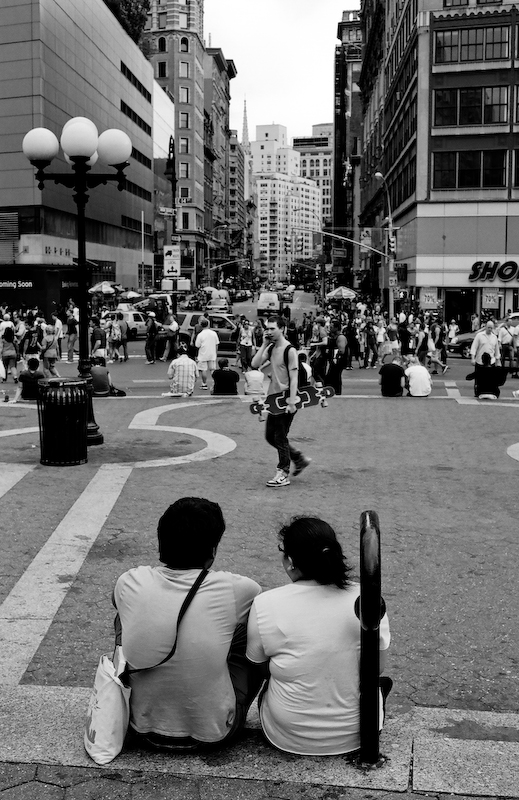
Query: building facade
[(59, 62), (198, 79), (316, 152), (448, 139)]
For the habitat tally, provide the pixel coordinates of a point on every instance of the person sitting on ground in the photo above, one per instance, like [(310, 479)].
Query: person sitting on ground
[(487, 378), (225, 379), (392, 378), (254, 380), (27, 388), (183, 373), (305, 638), (102, 381), (202, 695), (419, 381)]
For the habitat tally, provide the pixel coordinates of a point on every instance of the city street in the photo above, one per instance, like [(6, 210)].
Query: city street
[(436, 470)]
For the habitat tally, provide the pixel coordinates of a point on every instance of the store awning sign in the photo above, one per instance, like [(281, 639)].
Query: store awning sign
[(428, 298)]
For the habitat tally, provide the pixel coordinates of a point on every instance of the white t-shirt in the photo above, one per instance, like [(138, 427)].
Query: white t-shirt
[(311, 637), (420, 383), (207, 343), (191, 694)]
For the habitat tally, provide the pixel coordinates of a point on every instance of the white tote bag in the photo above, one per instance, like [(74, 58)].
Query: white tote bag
[(2, 370), (108, 713)]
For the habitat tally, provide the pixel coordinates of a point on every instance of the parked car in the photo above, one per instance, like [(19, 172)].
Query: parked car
[(225, 325), (135, 320), (241, 295), (268, 303)]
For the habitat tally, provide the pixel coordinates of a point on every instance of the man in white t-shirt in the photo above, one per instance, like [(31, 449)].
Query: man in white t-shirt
[(202, 694), (418, 379), (207, 344)]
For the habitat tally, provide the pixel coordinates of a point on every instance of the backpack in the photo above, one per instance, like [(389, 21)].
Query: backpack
[(302, 377)]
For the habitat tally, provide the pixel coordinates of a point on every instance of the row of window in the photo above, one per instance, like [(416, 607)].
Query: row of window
[(401, 40), (402, 132), (138, 191), (473, 106), (472, 44), (473, 169), (129, 112), (162, 21), (325, 162), (162, 44), (135, 81)]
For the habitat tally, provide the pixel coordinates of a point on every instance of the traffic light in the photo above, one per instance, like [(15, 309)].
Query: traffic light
[(391, 243)]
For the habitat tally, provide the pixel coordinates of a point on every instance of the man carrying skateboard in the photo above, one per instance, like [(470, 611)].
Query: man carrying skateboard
[(278, 425)]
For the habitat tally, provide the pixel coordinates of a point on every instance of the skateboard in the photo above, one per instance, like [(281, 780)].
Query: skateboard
[(306, 396)]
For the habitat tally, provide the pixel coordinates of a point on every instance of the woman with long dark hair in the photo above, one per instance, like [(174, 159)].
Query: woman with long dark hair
[(306, 638)]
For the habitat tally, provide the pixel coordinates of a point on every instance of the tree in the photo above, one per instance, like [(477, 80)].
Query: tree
[(132, 15)]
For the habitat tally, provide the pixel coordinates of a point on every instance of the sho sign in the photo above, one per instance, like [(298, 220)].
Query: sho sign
[(172, 260)]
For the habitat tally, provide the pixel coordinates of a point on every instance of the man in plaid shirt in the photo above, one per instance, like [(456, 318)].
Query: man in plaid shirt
[(183, 373)]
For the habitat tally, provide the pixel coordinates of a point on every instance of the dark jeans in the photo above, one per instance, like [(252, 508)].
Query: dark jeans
[(276, 434), (149, 349)]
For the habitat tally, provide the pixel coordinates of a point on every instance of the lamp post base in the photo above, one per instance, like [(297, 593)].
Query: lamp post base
[(94, 436)]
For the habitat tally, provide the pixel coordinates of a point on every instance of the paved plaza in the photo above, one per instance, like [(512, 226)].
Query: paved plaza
[(442, 474)]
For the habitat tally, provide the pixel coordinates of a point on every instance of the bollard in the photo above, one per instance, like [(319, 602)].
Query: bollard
[(370, 611)]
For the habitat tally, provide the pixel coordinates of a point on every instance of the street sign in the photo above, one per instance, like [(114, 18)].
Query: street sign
[(393, 280), (167, 211), (172, 260)]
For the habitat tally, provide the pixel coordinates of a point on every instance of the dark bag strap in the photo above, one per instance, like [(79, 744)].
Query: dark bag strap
[(183, 608)]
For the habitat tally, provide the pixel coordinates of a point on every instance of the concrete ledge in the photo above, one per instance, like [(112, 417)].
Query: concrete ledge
[(445, 750)]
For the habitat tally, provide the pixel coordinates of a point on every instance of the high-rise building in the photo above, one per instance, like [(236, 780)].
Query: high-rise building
[(347, 133), (316, 152), (59, 62), (441, 123), (198, 79)]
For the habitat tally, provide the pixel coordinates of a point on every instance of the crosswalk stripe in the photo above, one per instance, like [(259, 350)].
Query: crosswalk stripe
[(27, 612), (10, 474)]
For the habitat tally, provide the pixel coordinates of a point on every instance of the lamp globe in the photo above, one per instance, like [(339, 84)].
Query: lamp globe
[(79, 139), (40, 144), (114, 146)]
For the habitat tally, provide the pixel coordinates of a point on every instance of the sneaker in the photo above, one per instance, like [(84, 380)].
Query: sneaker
[(516, 394), (110, 361), (279, 479), (300, 465), (444, 370), (162, 359), (204, 386), (434, 372), (149, 362)]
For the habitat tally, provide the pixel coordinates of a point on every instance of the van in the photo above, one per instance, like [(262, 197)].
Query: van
[(268, 303)]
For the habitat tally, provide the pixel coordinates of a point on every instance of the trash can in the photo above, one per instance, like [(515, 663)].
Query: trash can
[(62, 417)]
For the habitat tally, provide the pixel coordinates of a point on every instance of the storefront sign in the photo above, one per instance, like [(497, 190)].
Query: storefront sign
[(490, 299), (490, 270), (16, 284), (428, 297)]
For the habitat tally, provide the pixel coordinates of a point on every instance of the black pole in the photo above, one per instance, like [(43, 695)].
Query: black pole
[(370, 613), (94, 437)]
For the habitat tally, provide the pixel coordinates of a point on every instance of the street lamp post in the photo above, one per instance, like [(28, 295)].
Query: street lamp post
[(391, 259), (208, 258), (82, 146)]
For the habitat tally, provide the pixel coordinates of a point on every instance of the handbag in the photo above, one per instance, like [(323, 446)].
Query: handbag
[(108, 714)]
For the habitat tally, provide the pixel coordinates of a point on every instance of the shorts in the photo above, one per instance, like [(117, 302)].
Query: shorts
[(207, 365)]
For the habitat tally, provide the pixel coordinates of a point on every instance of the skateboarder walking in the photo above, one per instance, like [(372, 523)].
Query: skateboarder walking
[(282, 378)]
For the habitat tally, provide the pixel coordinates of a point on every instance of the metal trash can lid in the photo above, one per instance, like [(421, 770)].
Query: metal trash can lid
[(58, 383)]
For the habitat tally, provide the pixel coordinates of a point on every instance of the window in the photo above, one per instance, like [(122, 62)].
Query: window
[(184, 45), (444, 171), (495, 99), (162, 69), (184, 119), (162, 44), (185, 220), (183, 170), (494, 168), (147, 24), (451, 3), (183, 94), (162, 20), (470, 107), (472, 44), (516, 168), (183, 20), (184, 192), (496, 43), (184, 145), (445, 107), (184, 69), (446, 47), (470, 169)]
